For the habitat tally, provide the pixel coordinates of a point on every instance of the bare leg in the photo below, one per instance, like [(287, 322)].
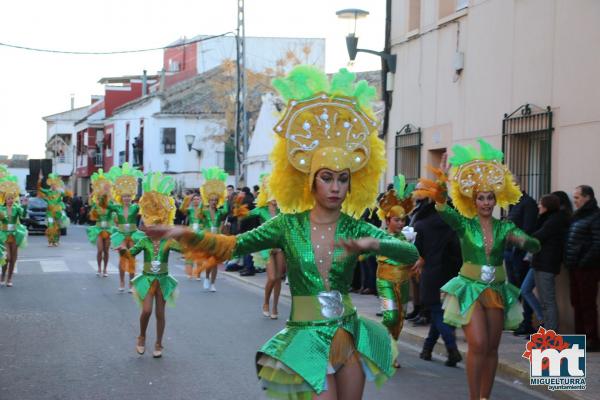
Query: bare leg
[(350, 380), (495, 323), (213, 274), (160, 317), (131, 276), (270, 282), (105, 251), (279, 270), (11, 259), (477, 341), (99, 249), (331, 392), (146, 313)]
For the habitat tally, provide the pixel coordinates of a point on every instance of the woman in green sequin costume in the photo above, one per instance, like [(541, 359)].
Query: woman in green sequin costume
[(214, 193), (55, 215), (393, 277), (480, 299), (99, 234), (273, 259), (12, 233), (326, 351), (154, 286), (192, 209), (125, 187)]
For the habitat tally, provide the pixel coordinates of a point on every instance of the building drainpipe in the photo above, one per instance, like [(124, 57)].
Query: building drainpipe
[(144, 83), (386, 96)]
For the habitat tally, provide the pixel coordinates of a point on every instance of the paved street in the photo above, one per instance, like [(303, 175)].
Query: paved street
[(67, 334)]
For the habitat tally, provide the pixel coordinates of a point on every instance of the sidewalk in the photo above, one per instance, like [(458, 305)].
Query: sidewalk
[(510, 363)]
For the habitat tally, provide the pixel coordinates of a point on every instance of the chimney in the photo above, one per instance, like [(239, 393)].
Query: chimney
[(161, 85), (72, 101), (144, 84)]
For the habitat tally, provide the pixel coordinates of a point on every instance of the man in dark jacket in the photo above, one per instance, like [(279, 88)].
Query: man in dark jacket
[(582, 258), (440, 261), (247, 224), (524, 215)]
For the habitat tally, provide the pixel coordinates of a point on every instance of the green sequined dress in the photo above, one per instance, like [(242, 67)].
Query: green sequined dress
[(156, 268), (104, 223), (10, 225), (126, 227), (56, 218), (480, 272), (195, 218), (295, 362)]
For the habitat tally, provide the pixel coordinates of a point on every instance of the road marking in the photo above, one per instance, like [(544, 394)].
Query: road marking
[(111, 269), (54, 266)]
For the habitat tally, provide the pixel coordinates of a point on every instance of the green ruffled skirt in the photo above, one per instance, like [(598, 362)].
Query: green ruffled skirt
[(142, 284), (463, 292), (20, 235), (295, 362), (94, 231)]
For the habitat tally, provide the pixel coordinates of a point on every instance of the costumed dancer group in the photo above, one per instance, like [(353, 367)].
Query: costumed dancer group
[(327, 162)]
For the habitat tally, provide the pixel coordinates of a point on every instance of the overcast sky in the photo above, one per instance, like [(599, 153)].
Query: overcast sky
[(36, 84)]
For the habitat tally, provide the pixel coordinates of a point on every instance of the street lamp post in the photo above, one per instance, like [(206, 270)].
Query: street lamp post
[(352, 39)]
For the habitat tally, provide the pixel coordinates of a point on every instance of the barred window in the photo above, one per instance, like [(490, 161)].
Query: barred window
[(527, 146), (168, 140), (408, 153)]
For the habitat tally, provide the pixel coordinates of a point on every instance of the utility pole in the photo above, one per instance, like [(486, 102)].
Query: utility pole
[(241, 129)]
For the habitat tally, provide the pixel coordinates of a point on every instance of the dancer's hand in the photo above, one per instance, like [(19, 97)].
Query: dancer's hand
[(362, 245), (516, 240), (156, 232)]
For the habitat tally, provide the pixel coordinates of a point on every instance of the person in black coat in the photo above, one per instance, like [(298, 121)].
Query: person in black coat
[(582, 259), (551, 231), (440, 261)]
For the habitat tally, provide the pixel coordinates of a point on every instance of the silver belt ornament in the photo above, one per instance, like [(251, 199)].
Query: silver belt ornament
[(155, 266), (10, 227), (331, 302), (488, 273), (126, 227), (213, 229), (196, 226), (103, 224)]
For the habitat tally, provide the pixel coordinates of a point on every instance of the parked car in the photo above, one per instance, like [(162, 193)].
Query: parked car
[(36, 216)]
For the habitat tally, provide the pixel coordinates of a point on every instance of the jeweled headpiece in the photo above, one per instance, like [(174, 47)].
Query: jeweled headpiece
[(54, 180), (125, 181), (325, 125), (9, 187), (397, 202), (214, 185), (157, 207), (475, 171), (101, 185)]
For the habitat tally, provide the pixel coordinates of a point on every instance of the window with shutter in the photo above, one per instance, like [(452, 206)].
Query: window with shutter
[(168, 140)]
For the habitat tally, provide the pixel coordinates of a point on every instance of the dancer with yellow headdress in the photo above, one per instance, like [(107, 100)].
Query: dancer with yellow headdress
[(13, 234), (192, 209), (327, 162), (393, 277), (55, 215), (99, 234), (214, 194), (124, 190), (480, 299), (154, 284)]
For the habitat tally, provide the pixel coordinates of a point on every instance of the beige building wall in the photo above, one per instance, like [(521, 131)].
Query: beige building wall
[(542, 52)]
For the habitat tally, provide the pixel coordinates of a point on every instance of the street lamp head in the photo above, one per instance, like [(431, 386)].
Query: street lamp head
[(353, 13), (189, 140)]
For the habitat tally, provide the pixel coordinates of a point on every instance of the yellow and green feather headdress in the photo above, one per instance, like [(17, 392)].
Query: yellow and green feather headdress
[(214, 184), (397, 202), (476, 171), (9, 187), (157, 207), (327, 124), (125, 181)]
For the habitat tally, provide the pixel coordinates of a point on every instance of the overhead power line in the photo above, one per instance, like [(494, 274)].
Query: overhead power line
[(98, 53)]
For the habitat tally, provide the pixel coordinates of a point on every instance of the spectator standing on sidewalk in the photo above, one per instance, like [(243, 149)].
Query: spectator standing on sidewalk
[(582, 258), (552, 227), (440, 261), (524, 216)]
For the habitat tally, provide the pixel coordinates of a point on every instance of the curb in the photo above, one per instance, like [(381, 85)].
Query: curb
[(505, 367)]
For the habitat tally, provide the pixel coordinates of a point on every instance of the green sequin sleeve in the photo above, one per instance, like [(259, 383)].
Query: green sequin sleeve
[(266, 236), (175, 246), (395, 249), (530, 244), (451, 217), (138, 247)]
